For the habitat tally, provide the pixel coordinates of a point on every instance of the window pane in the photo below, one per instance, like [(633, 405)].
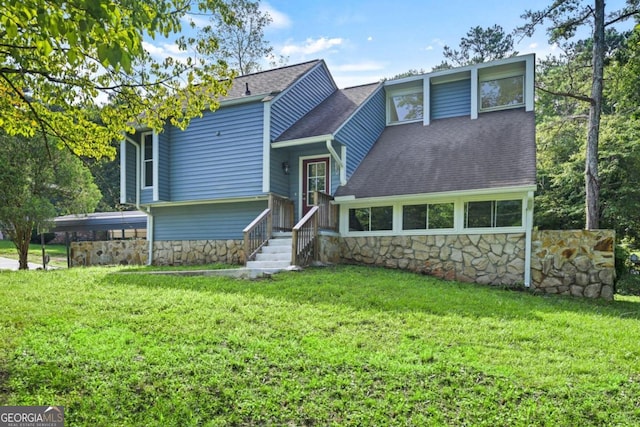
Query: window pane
[(148, 173), (509, 213), (359, 219), (406, 107), (502, 92), (382, 218), (441, 215), (478, 214), (414, 217)]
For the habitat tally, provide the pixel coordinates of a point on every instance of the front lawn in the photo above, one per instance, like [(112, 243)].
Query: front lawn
[(334, 346)]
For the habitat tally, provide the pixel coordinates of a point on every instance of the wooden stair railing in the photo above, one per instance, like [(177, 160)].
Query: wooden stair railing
[(305, 239), (327, 213), (257, 234)]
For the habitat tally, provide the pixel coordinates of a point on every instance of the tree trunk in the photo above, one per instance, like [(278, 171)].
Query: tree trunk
[(22, 244), (592, 181)]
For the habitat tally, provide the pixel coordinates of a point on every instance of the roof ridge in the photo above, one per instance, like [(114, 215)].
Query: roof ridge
[(278, 68), (362, 85)]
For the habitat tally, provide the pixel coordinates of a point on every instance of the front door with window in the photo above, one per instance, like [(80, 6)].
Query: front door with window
[(315, 177)]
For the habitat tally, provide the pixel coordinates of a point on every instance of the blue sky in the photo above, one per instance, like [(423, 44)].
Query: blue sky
[(364, 41)]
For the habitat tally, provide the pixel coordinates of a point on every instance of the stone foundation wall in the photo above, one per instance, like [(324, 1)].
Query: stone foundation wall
[(109, 252), (329, 249), (482, 258), (194, 252), (573, 262)]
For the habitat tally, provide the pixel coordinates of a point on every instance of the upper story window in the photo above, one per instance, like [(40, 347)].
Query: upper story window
[(501, 93), (147, 159), (406, 105)]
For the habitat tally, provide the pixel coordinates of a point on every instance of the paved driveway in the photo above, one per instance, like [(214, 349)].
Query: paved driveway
[(12, 264)]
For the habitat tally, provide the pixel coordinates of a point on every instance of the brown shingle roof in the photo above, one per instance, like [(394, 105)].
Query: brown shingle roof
[(457, 154), (270, 81)]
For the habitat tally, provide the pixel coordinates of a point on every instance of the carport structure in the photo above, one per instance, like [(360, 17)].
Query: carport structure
[(99, 221)]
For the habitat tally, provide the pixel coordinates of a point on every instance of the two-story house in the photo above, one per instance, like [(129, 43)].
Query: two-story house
[(434, 172)]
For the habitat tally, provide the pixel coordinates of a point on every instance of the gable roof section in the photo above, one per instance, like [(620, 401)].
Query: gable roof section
[(331, 114), (268, 82), (496, 150)]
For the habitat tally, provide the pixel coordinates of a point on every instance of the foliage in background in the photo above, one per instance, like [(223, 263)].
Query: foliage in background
[(241, 42), (60, 61), (564, 18), (37, 183), (561, 125), (479, 45)]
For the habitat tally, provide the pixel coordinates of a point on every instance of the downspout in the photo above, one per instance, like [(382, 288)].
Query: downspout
[(148, 212), (527, 244), (338, 161)]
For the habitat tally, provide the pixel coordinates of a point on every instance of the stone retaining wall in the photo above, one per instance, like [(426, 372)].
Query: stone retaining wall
[(109, 252), (573, 262), (482, 258), (194, 252)]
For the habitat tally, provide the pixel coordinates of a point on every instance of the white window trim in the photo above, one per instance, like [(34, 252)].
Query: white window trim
[(143, 168), (401, 216), (458, 216), (500, 76), (399, 92)]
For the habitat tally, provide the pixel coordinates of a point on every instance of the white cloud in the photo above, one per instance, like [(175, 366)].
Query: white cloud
[(369, 38), (428, 48), (279, 20), (165, 50), (311, 46), (533, 45)]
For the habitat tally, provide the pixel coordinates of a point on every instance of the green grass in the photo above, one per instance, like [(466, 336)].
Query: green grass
[(57, 253), (334, 346)]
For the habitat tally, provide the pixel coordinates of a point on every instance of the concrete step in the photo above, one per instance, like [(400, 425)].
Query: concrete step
[(268, 264), (276, 249), (280, 242), (274, 256)]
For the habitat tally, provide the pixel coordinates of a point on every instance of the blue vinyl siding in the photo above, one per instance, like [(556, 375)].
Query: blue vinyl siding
[(146, 196), (221, 221), (218, 155), (130, 184), (301, 98), (280, 181), (363, 130), (451, 99), (164, 192)]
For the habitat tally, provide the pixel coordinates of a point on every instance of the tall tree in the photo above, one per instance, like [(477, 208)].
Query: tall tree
[(479, 45), (565, 17), (241, 41), (38, 182), (60, 60)]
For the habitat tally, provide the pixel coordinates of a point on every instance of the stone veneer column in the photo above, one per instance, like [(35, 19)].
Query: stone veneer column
[(574, 262)]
